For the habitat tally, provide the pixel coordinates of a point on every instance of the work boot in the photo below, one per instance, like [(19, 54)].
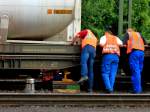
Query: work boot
[(108, 91), (90, 91), (82, 79)]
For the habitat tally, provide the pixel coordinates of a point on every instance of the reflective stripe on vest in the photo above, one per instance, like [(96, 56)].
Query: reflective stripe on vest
[(90, 39), (135, 42), (111, 46)]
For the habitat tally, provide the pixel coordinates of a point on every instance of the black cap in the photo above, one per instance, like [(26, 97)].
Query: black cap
[(108, 28)]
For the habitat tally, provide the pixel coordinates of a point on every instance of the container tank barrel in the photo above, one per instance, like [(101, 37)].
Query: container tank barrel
[(37, 19)]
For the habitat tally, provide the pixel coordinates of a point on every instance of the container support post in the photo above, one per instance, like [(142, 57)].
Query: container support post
[(4, 23)]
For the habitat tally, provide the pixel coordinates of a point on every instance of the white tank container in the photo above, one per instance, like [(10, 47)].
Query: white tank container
[(37, 19)]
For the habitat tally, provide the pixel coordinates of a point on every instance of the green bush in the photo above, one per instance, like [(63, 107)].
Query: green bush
[(96, 14)]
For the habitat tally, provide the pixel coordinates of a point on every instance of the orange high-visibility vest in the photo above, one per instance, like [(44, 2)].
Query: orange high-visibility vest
[(135, 42), (90, 39), (111, 46)]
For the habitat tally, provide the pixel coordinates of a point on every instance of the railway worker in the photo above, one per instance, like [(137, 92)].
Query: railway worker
[(135, 49), (88, 53), (110, 58)]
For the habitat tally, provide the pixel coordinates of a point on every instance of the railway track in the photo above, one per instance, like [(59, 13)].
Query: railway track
[(51, 99)]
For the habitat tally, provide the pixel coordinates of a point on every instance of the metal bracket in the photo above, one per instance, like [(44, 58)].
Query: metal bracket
[(4, 23)]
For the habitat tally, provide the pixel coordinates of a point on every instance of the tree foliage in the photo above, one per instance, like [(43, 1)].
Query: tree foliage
[(96, 14), (141, 17)]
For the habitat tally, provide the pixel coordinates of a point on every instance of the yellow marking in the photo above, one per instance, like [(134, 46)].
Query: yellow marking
[(49, 11), (62, 11), (59, 11)]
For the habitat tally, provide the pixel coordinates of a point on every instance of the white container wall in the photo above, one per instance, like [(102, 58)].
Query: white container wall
[(37, 19)]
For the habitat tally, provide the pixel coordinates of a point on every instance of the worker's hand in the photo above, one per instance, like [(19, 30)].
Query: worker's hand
[(145, 45), (72, 43), (74, 40)]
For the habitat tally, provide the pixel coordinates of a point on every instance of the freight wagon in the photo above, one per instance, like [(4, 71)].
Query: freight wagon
[(35, 34), (35, 37)]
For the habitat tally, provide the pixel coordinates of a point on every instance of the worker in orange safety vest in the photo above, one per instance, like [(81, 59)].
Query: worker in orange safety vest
[(110, 58), (135, 49), (88, 53)]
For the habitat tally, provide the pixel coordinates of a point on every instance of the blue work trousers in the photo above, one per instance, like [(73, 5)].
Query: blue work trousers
[(87, 61), (136, 59), (109, 70)]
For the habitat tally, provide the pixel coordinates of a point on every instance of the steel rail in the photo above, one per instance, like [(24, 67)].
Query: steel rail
[(45, 99)]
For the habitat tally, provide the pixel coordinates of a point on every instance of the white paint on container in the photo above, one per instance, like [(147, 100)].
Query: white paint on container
[(37, 19)]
